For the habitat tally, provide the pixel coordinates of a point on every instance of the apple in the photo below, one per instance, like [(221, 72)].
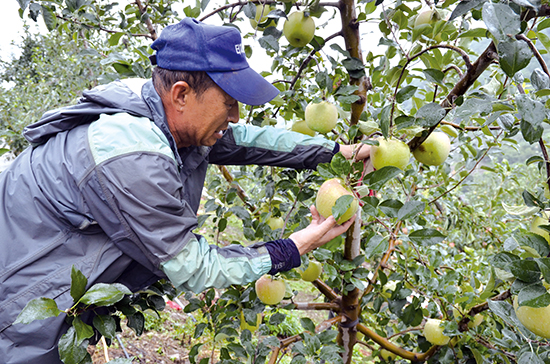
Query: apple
[(537, 230), (321, 117), (261, 17), (433, 332), (427, 17), (330, 191), (246, 326), (536, 320), (312, 272), (476, 321), (276, 223), (299, 29), (387, 355), (301, 127), (546, 191), (390, 152), (434, 150), (270, 290)]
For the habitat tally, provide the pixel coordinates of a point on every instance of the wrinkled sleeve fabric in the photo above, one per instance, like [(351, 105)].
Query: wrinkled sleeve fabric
[(248, 144), (134, 193)]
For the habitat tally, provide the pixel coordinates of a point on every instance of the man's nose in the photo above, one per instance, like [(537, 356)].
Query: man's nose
[(233, 116)]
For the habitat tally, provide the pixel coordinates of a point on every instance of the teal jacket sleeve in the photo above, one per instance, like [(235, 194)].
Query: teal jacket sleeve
[(248, 144)]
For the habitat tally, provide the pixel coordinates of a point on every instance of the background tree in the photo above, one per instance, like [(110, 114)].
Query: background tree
[(446, 242)]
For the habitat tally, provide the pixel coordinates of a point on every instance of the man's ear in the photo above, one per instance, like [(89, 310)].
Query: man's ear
[(179, 94)]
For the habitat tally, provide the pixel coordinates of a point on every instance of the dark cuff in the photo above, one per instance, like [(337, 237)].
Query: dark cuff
[(336, 149), (284, 255)]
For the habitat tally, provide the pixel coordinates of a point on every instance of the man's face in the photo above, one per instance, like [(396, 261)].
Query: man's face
[(201, 120)]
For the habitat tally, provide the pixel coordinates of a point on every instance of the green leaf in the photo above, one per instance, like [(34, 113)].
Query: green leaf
[(533, 4), (544, 265), (529, 357), (38, 309), (533, 241), (384, 120), (23, 4), (534, 295), (506, 312), (83, 331), (102, 294), (115, 38), (137, 323), (474, 33), (464, 7), (532, 111), (70, 350), (106, 325), (78, 284), (49, 18), (530, 133), (376, 180), (307, 324), (540, 80), (434, 75), (429, 115), (514, 55), (341, 206), (426, 237), (501, 20), (405, 93), (521, 210), (411, 209), (376, 245), (390, 207), (340, 164)]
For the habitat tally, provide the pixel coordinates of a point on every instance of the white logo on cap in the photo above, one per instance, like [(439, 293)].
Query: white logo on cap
[(239, 48)]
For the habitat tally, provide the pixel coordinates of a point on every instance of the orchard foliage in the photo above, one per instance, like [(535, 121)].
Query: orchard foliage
[(453, 239)]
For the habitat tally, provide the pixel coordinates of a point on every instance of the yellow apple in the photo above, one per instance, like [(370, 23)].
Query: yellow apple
[(387, 355), (245, 325), (301, 127), (276, 223), (321, 117), (261, 17), (536, 320), (269, 290), (537, 230), (330, 191), (546, 191), (299, 29), (434, 150), (476, 321), (312, 272), (389, 286), (390, 152), (434, 333)]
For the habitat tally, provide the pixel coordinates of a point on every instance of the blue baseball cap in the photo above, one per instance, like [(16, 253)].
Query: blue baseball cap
[(218, 50)]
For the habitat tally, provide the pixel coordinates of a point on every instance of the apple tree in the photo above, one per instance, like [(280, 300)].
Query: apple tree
[(443, 263)]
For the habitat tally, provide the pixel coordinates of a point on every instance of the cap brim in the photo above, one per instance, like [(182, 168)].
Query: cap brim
[(245, 85)]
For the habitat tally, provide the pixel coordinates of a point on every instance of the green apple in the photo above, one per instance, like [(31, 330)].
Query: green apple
[(537, 320), (476, 321), (321, 117), (246, 326), (312, 272), (427, 17), (261, 17), (299, 29), (276, 223), (433, 332), (330, 191), (390, 152), (301, 127), (537, 230), (546, 191), (270, 290), (387, 355), (434, 150)]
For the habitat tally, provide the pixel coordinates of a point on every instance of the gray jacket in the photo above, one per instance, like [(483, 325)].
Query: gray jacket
[(105, 189)]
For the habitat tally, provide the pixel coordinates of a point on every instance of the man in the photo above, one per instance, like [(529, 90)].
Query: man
[(112, 186)]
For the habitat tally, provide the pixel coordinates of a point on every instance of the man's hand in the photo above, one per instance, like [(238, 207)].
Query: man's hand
[(319, 232), (362, 151)]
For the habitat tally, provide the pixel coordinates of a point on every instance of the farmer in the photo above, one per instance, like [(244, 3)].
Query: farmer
[(112, 186)]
